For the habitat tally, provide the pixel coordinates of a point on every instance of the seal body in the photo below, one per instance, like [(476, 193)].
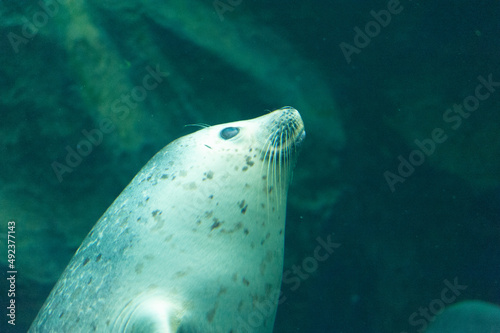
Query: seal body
[(193, 244)]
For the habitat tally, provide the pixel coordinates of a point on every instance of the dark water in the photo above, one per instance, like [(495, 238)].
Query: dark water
[(401, 166)]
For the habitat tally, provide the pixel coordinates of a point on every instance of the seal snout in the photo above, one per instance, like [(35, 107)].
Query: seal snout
[(285, 132), (289, 128)]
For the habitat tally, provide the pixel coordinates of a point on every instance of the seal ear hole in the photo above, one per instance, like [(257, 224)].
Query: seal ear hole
[(229, 132)]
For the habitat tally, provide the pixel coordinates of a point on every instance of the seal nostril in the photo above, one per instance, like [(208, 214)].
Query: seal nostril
[(229, 132)]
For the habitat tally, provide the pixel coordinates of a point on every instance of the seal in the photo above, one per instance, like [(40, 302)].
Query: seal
[(193, 244)]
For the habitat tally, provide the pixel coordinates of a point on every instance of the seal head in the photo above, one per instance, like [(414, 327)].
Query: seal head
[(194, 243)]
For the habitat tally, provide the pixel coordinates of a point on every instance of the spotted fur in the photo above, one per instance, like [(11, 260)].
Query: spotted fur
[(195, 241)]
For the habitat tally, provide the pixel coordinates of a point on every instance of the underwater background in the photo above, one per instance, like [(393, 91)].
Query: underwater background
[(400, 168)]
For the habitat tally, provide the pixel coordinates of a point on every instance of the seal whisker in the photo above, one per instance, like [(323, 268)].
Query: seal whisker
[(272, 167), (281, 162), (197, 125), (266, 158)]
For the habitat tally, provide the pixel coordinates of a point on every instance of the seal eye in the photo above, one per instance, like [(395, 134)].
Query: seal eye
[(229, 132)]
